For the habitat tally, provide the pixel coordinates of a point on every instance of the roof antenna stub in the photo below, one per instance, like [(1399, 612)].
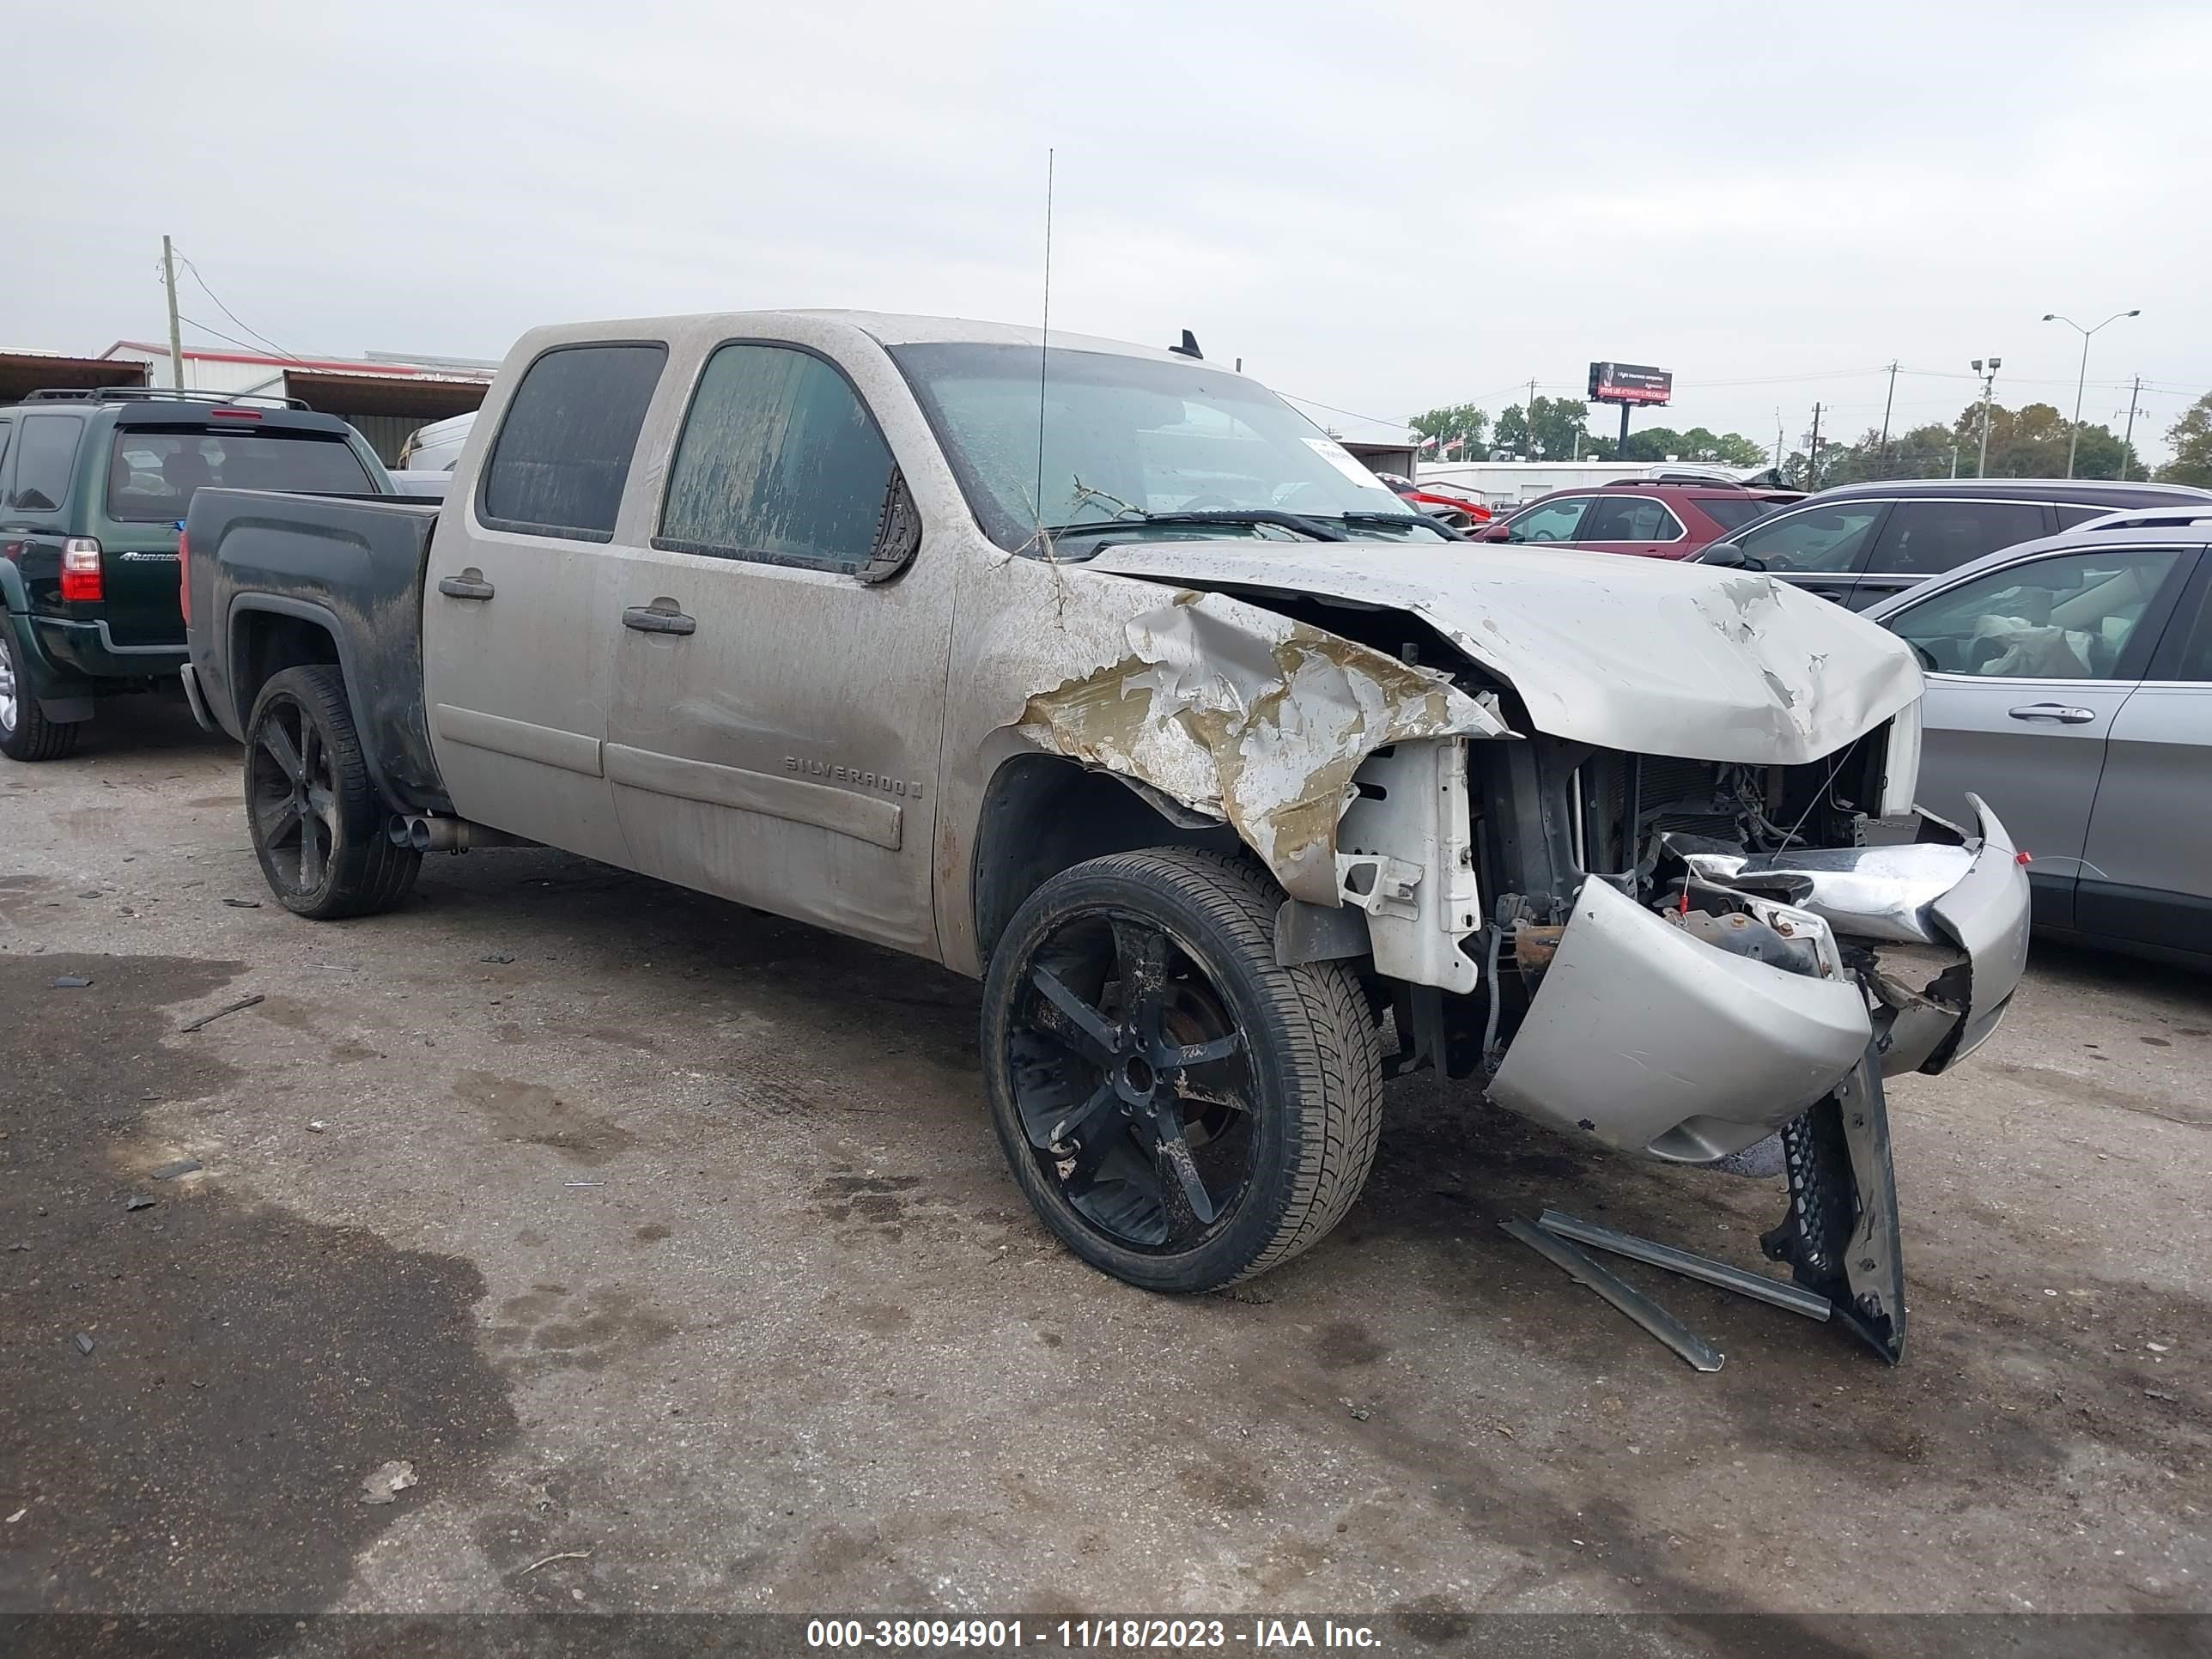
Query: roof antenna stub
[(1188, 347)]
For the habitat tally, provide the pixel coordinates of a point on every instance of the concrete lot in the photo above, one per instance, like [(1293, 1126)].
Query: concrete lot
[(651, 1227)]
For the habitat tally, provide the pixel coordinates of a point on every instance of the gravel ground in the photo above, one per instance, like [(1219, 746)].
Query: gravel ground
[(671, 1239)]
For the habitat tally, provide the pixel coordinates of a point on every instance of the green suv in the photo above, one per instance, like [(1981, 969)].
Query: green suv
[(92, 490)]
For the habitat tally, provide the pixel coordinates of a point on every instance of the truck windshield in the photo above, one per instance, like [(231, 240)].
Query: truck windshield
[(153, 471), (1125, 437)]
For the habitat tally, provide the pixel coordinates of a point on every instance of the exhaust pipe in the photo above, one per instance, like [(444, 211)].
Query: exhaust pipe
[(444, 834)]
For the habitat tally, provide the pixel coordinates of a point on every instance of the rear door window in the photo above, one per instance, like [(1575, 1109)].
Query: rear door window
[(1626, 518), (778, 461), (153, 471), (1926, 538), (562, 457), (45, 462), (1831, 539), (1548, 521)]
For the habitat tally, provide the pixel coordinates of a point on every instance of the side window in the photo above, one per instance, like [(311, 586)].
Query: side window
[(1820, 538), (2195, 660), (2070, 516), (1626, 518), (45, 462), (2070, 616), (778, 461), (7, 431), (1550, 521), (564, 451), (1926, 538)]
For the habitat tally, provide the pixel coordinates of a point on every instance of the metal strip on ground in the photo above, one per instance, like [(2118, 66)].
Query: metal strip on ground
[(1740, 1281), (1578, 1266)]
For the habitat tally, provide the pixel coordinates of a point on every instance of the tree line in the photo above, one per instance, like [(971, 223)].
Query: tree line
[(2028, 442)]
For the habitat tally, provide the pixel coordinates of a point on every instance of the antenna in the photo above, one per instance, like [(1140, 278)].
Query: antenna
[(1044, 346)]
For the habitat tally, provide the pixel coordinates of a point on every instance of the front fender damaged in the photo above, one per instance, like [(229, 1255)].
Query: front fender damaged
[(1253, 718)]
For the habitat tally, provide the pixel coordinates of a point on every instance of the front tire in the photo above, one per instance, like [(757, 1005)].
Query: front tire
[(315, 818), (1181, 1110), (26, 733)]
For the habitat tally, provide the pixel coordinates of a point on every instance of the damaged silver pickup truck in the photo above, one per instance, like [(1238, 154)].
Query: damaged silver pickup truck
[(1098, 672)]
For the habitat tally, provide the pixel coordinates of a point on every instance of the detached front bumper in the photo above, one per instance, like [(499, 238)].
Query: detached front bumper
[(1659, 1043)]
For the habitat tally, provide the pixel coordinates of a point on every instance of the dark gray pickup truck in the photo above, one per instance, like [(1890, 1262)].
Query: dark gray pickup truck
[(1237, 782)]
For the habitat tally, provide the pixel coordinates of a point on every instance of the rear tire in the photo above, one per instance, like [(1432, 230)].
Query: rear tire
[(315, 818), (1204, 1141), (26, 733)]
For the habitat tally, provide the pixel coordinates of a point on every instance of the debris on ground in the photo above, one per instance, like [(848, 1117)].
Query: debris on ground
[(18, 1514), (497, 956), (206, 1020), (1359, 1413), (139, 1201), (316, 1125), (565, 1555), (1572, 1259), (83, 1343), (68, 983), (181, 1167), (388, 1482), (243, 904)]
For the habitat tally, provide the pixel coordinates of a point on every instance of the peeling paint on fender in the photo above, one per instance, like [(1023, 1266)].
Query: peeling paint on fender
[(1251, 717)]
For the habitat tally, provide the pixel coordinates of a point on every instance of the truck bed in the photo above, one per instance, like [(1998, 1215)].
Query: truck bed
[(267, 572)]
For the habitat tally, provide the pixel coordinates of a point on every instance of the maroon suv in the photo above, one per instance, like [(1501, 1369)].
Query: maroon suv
[(1653, 518)]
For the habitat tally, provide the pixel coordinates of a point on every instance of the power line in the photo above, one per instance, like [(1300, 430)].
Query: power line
[(232, 339), (271, 344)]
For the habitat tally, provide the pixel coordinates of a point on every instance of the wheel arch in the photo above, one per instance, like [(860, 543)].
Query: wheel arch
[(269, 632), (1042, 814)]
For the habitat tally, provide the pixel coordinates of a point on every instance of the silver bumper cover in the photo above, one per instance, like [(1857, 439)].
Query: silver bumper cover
[(1658, 1043)]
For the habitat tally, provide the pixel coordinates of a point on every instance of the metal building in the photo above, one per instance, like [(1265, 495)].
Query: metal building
[(383, 395)]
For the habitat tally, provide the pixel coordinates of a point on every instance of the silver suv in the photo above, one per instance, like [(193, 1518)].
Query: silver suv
[(2069, 684)]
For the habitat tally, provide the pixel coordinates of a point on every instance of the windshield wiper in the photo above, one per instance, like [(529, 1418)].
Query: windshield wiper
[(1319, 530), (1405, 520)]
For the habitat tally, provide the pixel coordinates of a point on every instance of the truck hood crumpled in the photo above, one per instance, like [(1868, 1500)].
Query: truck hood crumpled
[(1240, 713), (1643, 655)]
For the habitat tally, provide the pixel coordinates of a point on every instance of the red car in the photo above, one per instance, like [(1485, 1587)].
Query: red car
[(1460, 512), (1652, 518)]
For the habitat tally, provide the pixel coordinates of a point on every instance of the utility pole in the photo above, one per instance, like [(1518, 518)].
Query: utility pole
[(176, 338), (2135, 394), (1881, 450), (1777, 443), (1988, 377), (1813, 460)]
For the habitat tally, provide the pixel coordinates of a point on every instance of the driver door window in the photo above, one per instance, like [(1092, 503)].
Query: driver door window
[(1826, 539), (2072, 616), (779, 462), (1550, 521)]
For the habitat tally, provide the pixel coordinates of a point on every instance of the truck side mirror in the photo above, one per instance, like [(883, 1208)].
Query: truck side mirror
[(898, 533)]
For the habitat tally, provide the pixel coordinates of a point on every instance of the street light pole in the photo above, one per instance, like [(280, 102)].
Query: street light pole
[(2073, 443)]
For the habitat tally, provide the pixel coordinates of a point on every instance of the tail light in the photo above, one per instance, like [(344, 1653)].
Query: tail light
[(80, 578), (184, 576)]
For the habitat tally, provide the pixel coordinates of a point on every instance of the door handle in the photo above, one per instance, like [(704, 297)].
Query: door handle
[(652, 619), (2057, 713), (468, 585)]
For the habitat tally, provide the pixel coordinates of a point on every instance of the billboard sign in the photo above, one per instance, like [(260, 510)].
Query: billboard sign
[(1629, 383)]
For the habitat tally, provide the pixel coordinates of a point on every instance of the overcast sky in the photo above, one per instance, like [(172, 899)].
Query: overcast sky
[(1377, 207)]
